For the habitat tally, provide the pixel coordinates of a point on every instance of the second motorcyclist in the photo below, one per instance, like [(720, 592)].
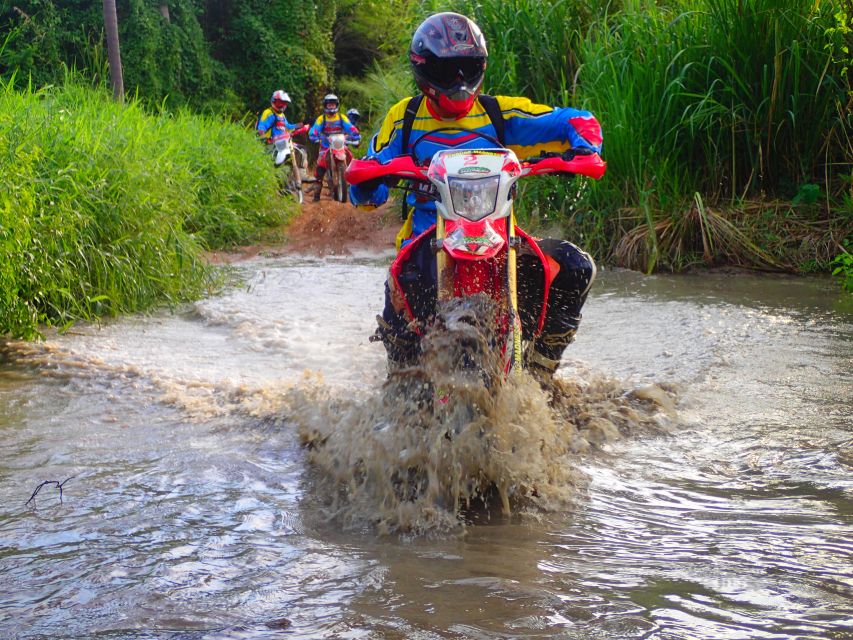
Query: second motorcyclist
[(273, 122), (331, 122), (448, 59)]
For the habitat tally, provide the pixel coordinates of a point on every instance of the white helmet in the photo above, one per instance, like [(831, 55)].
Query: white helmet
[(279, 98), (331, 97)]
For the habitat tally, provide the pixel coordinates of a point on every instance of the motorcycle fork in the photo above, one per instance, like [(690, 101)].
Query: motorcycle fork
[(445, 283), (512, 289), (295, 163), (444, 268)]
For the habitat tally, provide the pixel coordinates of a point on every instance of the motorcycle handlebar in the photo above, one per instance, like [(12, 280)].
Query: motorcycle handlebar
[(585, 164), (360, 171)]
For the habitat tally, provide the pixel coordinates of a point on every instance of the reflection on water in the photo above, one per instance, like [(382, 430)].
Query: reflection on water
[(193, 511)]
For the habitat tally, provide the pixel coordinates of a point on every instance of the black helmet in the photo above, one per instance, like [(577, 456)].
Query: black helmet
[(354, 116), (331, 103), (448, 56)]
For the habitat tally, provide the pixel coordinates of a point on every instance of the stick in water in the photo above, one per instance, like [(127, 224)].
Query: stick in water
[(56, 482)]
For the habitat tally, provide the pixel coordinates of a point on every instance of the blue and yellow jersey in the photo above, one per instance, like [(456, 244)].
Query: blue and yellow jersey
[(271, 124), (529, 129), (325, 126)]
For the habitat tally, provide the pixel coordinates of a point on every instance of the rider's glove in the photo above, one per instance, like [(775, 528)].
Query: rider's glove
[(369, 192), (572, 153)]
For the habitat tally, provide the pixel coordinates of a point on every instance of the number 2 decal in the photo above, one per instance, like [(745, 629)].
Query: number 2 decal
[(470, 160)]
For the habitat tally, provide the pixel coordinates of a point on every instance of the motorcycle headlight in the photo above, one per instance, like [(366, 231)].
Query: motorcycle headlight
[(474, 199)]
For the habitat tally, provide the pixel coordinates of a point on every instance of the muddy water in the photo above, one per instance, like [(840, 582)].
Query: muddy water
[(193, 511)]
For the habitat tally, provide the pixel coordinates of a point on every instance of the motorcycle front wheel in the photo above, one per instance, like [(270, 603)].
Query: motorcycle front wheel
[(340, 185), (292, 183)]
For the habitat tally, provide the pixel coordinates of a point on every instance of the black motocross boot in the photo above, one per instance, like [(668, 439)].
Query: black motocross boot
[(318, 185), (546, 352)]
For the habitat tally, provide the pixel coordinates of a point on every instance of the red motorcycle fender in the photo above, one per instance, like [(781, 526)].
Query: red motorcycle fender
[(397, 268), (551, 267), (475, 241)]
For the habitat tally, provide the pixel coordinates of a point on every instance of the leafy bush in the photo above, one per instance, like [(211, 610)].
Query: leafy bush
[(843, 267), (105, 209)]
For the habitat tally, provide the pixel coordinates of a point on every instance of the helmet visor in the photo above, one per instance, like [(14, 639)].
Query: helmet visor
[(447, 72)]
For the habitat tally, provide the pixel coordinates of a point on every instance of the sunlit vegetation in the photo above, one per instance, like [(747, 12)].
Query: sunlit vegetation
[(106, 209), (728, 132), (728, 124)]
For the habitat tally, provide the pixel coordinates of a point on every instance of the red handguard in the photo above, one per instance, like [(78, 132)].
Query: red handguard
[(301, 130), (591, 166), (360, 171)]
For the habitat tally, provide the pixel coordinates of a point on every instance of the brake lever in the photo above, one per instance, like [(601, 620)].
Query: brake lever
[(543, 156), (418, 194)]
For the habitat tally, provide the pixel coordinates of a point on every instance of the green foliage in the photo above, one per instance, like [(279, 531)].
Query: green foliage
[(219, 57), (378, 90), (533, 44), (99, 204), (840, 37), (368, 31), (807, 194), (285, 44), (738, 101), (843, 266)]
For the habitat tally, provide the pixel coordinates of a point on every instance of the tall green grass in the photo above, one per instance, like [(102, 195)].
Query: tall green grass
[(106, 209), (708, 107), (533, 45), (377, 91)]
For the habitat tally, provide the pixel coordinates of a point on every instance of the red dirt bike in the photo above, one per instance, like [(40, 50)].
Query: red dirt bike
[(338, 158), (472, 330), (477, 242)]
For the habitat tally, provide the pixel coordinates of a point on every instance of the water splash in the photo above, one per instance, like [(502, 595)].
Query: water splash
[(443, 442), (393, 459)]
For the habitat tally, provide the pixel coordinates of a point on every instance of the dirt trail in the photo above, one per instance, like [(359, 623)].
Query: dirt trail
[(327, 228)]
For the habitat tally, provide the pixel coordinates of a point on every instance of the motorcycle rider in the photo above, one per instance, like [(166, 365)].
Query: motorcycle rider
[(448, 57), (331, 122), (354, 116), (273, 122)]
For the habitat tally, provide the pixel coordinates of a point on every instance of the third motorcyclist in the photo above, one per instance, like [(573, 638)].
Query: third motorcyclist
[(448, 58), (331, 122)]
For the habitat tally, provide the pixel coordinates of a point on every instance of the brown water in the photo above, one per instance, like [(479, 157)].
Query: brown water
[(695, 481)]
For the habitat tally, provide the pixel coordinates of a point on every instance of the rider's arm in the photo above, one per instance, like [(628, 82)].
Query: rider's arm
[(265, 123), (315, 133), (531, 129), (350, 129), (384, 146), (289, 126)]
